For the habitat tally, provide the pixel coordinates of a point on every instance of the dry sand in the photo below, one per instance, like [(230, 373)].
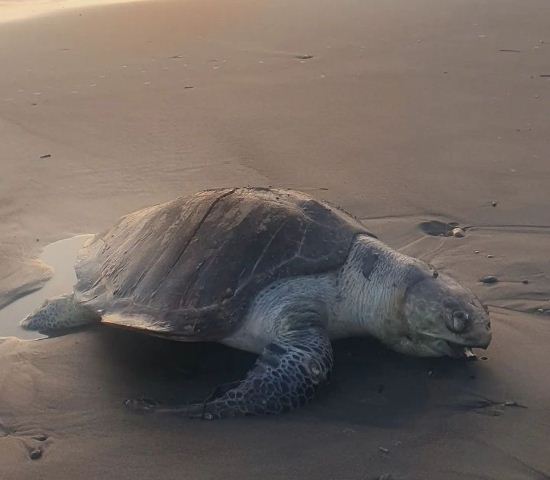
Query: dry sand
[(13, 10), (408, 112)]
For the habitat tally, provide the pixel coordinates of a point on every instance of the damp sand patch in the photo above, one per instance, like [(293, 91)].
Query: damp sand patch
[(61, 257)]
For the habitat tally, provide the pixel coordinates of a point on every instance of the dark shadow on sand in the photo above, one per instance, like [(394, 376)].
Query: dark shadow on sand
[(370, 385)]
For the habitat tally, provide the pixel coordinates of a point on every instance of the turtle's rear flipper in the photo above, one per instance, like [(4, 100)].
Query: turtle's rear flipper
[(285, 376), (58, 314)]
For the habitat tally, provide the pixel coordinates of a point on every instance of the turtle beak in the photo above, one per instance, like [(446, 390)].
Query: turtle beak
[(481, 335), (484, 341)]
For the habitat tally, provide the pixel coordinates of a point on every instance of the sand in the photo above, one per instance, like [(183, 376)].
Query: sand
[(407, 112), (13, 10)]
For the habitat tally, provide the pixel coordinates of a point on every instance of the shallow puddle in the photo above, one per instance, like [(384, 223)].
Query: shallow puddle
[(61, 256)]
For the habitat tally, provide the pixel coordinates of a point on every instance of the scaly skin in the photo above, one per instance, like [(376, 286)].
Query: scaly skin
[(61, 313)]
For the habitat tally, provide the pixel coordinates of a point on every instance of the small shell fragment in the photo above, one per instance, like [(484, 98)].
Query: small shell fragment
[(458, 232), (35, 454)]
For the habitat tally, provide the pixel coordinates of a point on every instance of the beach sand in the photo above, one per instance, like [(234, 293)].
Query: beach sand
[(406, 113)]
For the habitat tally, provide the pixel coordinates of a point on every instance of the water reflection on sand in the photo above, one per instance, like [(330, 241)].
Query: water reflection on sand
[(61, 256)]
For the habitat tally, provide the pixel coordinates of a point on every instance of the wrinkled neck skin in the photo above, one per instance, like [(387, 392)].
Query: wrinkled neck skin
[(365, 297), (372, 286)]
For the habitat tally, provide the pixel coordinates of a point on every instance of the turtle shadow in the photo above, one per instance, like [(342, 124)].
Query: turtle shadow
[(370, 384), (373, 385), (164, 370)]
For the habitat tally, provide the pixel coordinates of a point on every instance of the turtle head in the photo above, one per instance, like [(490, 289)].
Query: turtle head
[(442, 318)]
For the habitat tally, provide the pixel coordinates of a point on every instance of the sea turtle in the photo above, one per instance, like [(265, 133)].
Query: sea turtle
[(270, 271)]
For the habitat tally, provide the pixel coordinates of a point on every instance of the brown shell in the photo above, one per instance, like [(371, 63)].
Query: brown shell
[(190, 268)]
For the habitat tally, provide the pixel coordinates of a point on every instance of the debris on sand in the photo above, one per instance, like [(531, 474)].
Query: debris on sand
[(437, 228), (383, 450), (303, 57), (45, 156), (35, 454), (509, 50), (488, 279), (487, 406), (513, 403), (458, 232)]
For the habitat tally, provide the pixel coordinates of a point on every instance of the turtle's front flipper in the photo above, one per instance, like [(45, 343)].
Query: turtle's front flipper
[(285, 376), (59, 314)]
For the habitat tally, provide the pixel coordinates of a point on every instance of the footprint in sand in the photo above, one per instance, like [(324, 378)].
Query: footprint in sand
[(34, 443), (3, 430)]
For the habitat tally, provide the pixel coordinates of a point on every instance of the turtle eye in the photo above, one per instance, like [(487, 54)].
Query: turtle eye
[(459, 321)]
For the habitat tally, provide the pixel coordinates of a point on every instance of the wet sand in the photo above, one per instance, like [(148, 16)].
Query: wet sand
[(60, 256), (406, 113)]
